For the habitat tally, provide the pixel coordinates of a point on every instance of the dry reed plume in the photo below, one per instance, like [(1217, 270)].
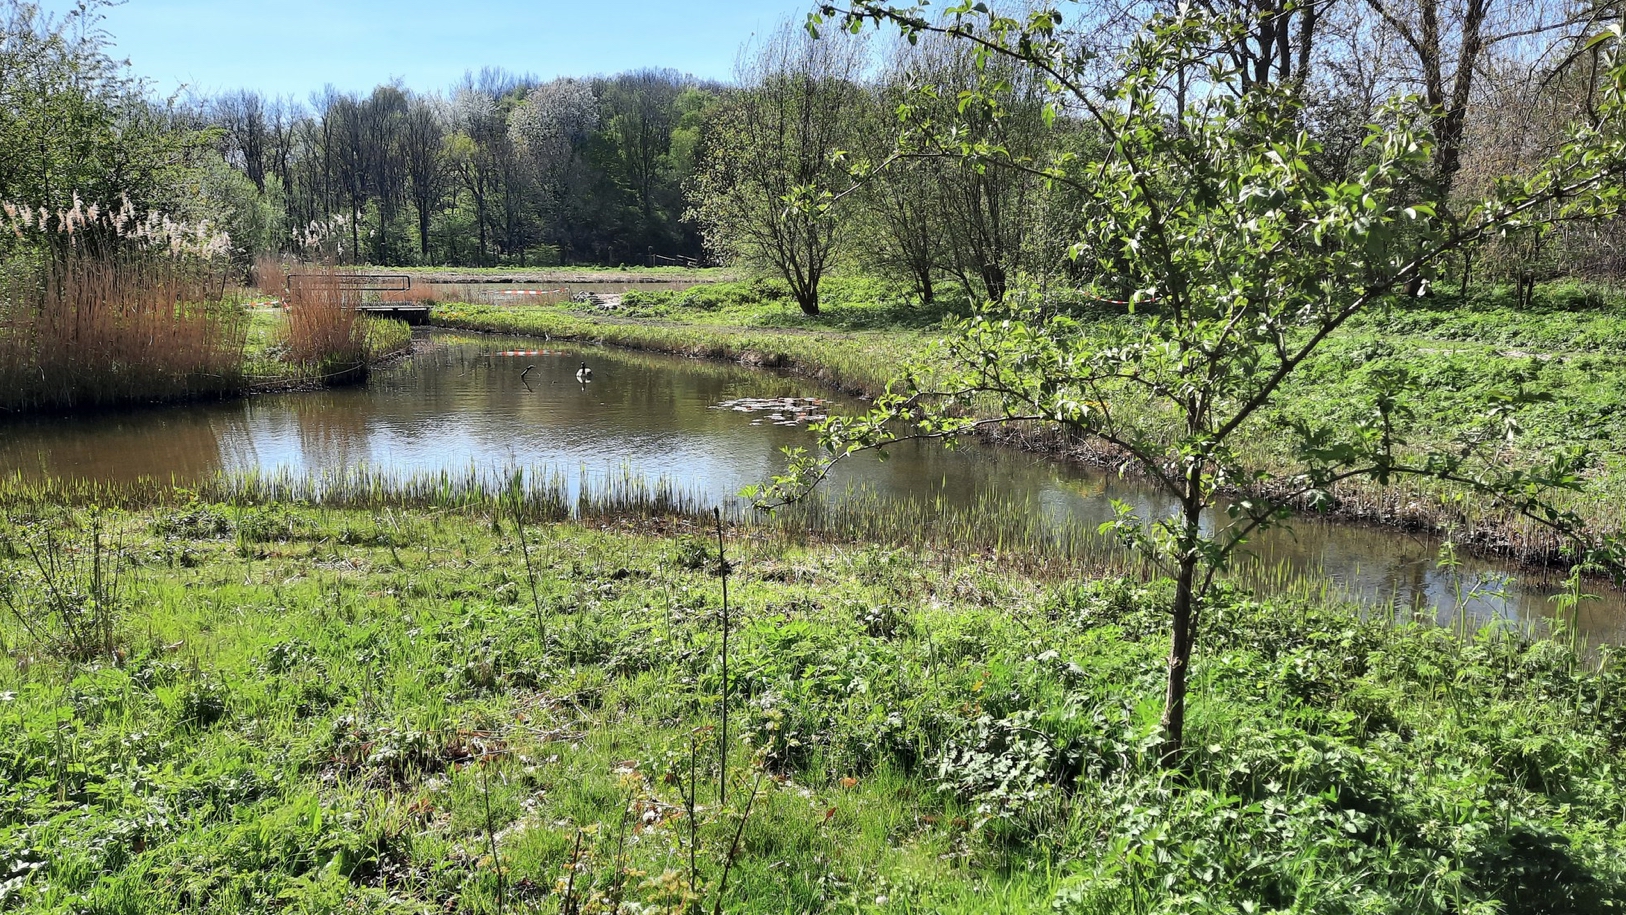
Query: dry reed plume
[(109, 308)]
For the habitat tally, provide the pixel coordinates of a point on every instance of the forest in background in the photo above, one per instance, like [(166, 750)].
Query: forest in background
[(796, 166)]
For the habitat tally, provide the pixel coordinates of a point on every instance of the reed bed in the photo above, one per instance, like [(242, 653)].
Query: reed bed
[(270, 275), (992, 525), (95, 327), (323, 330)]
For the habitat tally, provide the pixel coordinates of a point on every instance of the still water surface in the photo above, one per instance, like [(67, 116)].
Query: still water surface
[(461, 402)]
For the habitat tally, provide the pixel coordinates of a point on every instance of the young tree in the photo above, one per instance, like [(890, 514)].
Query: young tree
[(1240, 263), (765, 192)]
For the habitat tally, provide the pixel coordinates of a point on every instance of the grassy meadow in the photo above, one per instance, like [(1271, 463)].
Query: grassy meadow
[(394, 704)]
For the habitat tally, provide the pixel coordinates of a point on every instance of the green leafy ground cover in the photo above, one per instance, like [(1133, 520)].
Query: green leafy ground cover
[(1557, 369), (300, 708)]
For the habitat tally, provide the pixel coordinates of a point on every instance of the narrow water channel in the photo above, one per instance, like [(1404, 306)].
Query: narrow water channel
[(462, 402)]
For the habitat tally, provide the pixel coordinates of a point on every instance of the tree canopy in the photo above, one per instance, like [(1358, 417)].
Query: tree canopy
[(1205, 209)]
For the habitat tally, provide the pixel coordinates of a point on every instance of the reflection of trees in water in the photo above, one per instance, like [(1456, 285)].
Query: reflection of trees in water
[(183, 444), (331, 434), (455, 405)]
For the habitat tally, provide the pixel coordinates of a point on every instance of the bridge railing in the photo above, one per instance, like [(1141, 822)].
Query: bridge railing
[(354, 282)]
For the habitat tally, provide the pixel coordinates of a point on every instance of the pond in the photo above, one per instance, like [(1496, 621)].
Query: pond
[(605, 291), (468, 401)]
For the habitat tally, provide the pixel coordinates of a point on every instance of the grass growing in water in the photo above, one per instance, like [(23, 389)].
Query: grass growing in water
[(324, 708)]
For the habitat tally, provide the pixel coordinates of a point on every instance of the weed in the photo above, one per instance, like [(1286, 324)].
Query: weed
[(69, 598)]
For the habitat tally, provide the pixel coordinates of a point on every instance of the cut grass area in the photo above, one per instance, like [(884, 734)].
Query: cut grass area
[(568, 274), (316, 709), (741, 328), (1558, 364)]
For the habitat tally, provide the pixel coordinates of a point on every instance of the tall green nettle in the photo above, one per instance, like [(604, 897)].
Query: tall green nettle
[(1205, 214)]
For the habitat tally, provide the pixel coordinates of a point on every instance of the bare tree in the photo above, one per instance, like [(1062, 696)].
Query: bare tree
[(241, 118), (1447, 44), (766, 191), (423, 136)]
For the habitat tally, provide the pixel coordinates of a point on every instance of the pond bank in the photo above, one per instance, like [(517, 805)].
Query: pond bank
[(862, 362), (260, 368)]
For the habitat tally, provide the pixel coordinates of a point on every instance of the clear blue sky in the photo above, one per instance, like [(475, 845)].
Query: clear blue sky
[(294, 47)]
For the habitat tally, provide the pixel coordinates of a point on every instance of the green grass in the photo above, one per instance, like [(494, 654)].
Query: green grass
[(698, 274), (399, 707), (743, 329)]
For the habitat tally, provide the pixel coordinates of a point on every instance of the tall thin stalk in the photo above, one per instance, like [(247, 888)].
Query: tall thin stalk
[(515, 509), (491, 836), (722, 738)]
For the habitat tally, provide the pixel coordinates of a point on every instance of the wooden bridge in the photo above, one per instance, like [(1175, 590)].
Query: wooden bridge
[(398, 303)]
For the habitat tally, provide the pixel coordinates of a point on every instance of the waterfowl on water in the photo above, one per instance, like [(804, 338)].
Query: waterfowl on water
[(526, 372), (584, 373)]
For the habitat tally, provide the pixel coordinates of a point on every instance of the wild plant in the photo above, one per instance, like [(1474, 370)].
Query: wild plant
[(722, 695), (515, 504), (114, 307), (70, 600), (491, 836), (323, 331)]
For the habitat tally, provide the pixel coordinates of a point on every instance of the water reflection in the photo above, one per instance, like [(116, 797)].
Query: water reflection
[(460, 402)]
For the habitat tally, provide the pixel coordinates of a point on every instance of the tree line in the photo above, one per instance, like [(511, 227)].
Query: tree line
[(929, 159), (504, 169), (922, 159)]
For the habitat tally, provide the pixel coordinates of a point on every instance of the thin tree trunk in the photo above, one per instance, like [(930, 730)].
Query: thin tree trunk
[(1180, 642), (993, 280), (807, 296)]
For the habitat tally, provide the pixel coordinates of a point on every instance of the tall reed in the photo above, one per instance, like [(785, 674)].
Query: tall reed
[(323, 332), (97, 309), (270, 275)]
